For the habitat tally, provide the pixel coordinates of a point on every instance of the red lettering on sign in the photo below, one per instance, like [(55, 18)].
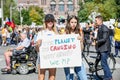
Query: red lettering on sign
[(63, 47)]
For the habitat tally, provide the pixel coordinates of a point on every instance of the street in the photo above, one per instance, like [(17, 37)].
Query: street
[(60, 72)]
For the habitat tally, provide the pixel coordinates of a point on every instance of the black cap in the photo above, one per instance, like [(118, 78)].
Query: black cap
[(49, 17)]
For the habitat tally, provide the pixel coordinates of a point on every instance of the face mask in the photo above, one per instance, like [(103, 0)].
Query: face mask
[(118, 25)]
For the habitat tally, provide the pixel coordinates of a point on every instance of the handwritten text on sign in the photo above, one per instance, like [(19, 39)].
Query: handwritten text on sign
[(60, 51)]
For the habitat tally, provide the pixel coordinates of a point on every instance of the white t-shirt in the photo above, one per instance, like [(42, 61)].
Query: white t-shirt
[(25, 43), (44, 33), (8, 34), (95, 33)]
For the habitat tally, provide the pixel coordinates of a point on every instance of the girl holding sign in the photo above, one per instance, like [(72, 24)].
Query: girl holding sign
[(50, 30), (73, 27)]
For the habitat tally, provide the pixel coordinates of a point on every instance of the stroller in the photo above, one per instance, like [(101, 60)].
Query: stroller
[(23, 61)]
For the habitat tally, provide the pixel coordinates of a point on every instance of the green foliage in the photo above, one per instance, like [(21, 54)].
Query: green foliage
[(27, 14), (16, 17), (99, 1), (26, 17), (107, 8), (88, 0), (110, 9), (117, 2), (86, 11), (83, 14), (6, 7), (118, 8), (36, 15), (32, 14)]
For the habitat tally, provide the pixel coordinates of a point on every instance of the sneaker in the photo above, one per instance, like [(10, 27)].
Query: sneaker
[(5, 70)]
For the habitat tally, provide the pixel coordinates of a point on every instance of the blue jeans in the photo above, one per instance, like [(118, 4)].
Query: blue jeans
[(80, 72), (106, 69), (8, 40), (111, 40), (117, 47)]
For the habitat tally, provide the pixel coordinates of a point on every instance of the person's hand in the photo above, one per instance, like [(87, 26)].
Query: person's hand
[(79, 37)]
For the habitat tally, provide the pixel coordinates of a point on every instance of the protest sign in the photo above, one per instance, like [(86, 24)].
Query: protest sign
[(60, 51)]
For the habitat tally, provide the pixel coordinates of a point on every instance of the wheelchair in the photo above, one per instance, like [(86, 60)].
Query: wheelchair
[(24, 61)]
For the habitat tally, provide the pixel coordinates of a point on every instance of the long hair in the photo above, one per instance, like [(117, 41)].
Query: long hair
[(53, 27), (68, 28)]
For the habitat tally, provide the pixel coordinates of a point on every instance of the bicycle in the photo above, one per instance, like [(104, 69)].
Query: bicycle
[(87, 45), (97, 68)]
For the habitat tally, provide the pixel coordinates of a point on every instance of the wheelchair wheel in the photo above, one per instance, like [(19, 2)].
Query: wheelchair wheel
[(14, 71), (23, 69)]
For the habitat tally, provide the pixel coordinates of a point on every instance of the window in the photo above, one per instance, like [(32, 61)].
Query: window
[(52, 5), (70, 5), (43, 2), (61, 6)]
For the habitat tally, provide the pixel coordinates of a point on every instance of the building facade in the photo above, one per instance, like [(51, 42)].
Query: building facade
[(26, 3), (59, 8)]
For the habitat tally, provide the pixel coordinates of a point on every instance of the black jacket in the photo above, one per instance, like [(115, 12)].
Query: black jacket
[(103, 40), (87, 33)]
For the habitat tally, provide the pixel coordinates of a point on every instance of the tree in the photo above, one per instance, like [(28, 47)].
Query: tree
[(107, 8), (16, 17), (36, 15), (110, 9), (118, 8), (117, 2), (6, 8), (26, 17), (32, 14)]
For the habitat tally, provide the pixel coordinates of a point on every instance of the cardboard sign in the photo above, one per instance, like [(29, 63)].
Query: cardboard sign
[(60, 51)]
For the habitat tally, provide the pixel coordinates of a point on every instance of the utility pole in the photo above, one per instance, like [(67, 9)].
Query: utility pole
[(20, 17), (10, 12), (20, 12), (2, 13)]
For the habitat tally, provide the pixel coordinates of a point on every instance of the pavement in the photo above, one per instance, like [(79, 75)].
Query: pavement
[(59, 74)]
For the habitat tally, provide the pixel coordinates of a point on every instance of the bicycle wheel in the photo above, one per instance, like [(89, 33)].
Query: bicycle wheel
[(88, 47), (86, 50), (99, 70), (111, 63)]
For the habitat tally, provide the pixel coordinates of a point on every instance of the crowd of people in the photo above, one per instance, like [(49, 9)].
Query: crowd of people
[(95, 33)]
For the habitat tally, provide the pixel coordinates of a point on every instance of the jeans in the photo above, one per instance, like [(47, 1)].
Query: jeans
[(80, 72), (106, 69), (111, 40), (117, 47), (8, 40)]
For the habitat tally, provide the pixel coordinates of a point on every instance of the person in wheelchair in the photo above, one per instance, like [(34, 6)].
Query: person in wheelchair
[(24, 43)]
